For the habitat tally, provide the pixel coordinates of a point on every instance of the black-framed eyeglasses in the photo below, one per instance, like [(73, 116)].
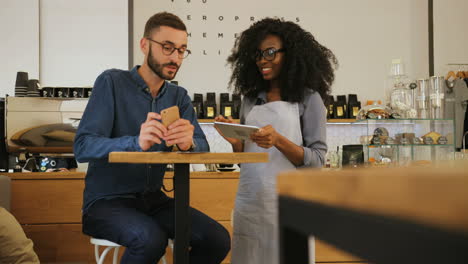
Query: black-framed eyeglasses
[(268, 54), (168, 49)]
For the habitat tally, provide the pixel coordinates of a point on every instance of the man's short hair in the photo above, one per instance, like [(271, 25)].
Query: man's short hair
[(163, 19)]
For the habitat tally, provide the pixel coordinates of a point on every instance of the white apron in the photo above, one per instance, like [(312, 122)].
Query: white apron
[(255, 235)]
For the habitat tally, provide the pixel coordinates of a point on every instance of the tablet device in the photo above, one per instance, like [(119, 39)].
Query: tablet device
[(236, 130)]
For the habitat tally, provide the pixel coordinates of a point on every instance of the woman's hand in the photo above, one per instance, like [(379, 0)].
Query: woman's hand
[(265, 137), (237, 144), (220, 118)]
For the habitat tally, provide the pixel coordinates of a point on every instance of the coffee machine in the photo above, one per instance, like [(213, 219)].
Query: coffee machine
[(3, 151)]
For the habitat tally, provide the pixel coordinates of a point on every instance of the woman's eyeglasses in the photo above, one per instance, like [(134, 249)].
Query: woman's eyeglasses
[(268, 54)]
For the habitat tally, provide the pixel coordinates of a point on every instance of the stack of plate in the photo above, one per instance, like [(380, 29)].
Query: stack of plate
[(33, 88), (33, 94), (21, 86), (21, 91)]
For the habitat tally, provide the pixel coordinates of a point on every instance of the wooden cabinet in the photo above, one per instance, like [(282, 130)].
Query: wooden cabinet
[(48, 206), (47, 201)]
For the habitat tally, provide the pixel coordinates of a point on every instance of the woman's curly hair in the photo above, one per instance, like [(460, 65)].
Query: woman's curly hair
[(307, 66)]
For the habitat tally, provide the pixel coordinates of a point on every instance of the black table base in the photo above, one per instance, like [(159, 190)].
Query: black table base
[(182, 213)]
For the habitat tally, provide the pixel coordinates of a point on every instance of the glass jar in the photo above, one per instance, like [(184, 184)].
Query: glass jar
[(422, 98), (401, 100), (436, 96)]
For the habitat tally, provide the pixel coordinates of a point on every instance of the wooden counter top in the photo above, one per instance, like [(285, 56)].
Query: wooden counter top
[(428, 195), (70, 175), (187, 157), (81, 175)]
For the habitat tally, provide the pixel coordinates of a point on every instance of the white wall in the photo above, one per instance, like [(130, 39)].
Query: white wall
[(61, 42), (450, 35), (365, 35), (19, 44), (80, 39)]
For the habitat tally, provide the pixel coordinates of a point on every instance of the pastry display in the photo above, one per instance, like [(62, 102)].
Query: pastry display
[(434, 137), (373, 112), (442, 140)]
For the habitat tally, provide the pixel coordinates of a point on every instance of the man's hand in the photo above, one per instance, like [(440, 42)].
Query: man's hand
[(181, 133), (151, 131), (265, 137)]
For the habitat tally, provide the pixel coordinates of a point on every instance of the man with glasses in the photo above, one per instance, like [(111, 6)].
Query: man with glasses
[(124, 203)]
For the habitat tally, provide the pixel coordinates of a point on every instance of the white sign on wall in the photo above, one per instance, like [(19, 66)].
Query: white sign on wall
[(364, 35)]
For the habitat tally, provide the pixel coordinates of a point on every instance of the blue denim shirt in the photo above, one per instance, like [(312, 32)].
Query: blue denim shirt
[(119, 104)]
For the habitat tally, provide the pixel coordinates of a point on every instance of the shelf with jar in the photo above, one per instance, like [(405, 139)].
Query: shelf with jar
[(400, 141), (329, 121)]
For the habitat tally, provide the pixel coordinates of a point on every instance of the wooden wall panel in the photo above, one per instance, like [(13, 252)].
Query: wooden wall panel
[(60, 242), (60, 201), (214, 197), (50, 211), (47, 201)]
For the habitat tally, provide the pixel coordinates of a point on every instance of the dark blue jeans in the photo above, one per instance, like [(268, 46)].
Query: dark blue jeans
[(145, 223)]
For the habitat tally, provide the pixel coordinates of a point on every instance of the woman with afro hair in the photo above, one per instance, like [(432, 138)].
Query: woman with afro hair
[(284, 74)]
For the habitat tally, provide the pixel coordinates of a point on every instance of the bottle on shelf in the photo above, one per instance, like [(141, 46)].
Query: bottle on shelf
[(332, 159), (327, 160), (210, 106), (353, 106), (225, 106), (335, 158), (340, 109), (330, 104), (198, 105)]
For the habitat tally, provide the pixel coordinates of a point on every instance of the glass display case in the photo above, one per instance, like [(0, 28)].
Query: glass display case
[(401, 141)]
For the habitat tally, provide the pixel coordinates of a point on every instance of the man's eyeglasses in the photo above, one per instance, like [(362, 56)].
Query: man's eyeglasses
[(268, 54), (168, 49)]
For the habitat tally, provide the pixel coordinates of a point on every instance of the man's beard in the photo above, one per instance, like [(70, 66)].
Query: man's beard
[(158, 68)]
